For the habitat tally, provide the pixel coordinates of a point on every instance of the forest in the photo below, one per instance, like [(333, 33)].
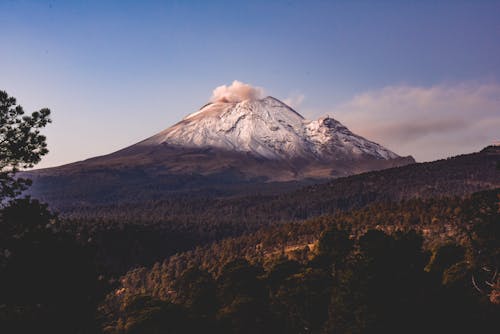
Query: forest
[(428, 263)]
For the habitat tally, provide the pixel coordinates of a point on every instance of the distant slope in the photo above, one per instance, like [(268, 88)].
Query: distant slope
[(158, 172), (457, 176)]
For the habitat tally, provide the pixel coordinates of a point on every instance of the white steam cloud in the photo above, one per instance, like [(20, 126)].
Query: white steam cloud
[(236, 92)]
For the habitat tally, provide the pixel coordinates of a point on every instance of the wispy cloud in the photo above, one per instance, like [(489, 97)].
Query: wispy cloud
[(294, 100), (427, 122)]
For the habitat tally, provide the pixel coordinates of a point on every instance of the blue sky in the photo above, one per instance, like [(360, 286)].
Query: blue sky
[(116, 72)]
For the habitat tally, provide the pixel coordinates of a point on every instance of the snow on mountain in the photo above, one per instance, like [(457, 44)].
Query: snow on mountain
[(270, 129)]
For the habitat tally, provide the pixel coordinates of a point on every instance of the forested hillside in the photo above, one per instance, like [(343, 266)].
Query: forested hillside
[(132, 234), (426, 262)]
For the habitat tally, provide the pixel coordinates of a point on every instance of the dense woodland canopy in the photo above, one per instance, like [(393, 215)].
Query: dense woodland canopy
[(378, 269), (360, 271)]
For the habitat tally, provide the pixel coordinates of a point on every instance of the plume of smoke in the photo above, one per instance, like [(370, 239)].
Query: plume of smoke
[(236, 92)]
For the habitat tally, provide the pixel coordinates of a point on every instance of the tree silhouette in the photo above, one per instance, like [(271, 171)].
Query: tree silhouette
[(21, 144)]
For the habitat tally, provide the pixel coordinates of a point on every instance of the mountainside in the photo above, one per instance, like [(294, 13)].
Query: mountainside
[(224, 148), (455, 176), (137, 231)]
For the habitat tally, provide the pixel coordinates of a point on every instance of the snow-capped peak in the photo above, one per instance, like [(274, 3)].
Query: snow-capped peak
[(270, 129)]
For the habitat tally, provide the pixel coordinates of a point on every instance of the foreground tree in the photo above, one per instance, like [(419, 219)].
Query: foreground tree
[(48, 282), (21, 144)]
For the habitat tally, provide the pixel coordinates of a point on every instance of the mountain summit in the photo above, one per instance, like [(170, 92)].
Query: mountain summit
[(229, 146), (269, 129)]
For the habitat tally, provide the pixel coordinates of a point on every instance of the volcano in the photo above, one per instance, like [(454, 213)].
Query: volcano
[(223, 144)]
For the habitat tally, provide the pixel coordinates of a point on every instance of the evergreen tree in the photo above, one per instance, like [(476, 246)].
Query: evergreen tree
[(21, 144)]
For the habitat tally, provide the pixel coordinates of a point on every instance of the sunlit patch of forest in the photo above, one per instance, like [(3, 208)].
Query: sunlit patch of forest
[(429, 263)]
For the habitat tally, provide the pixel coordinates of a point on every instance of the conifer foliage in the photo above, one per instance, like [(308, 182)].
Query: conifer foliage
[(21, 143)]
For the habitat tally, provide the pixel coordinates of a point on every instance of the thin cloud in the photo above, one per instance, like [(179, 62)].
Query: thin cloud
[(406, 131), (426, 122), (294, 100)]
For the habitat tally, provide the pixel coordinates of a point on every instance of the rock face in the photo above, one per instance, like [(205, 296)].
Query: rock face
[(232, 146)]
